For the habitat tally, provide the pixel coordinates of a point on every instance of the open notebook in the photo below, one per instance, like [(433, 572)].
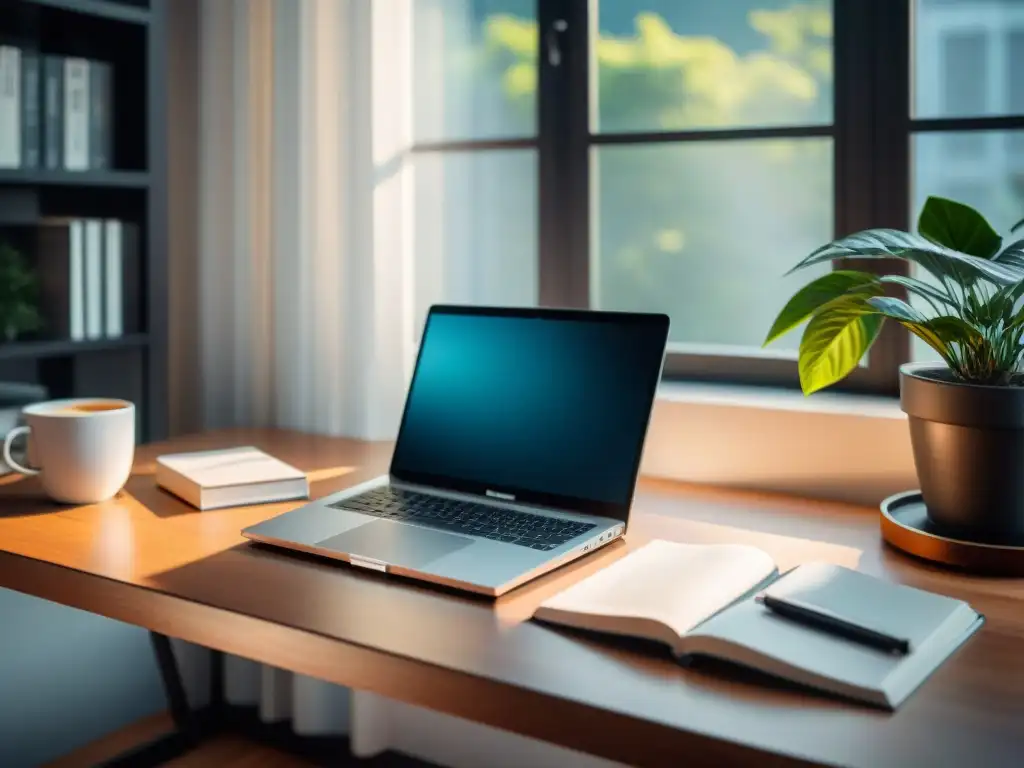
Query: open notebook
[(700, 601)]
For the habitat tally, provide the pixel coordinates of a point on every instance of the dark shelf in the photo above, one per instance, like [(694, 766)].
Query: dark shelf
[(130, 36), (38, 349), (123, 179), (104, 9)]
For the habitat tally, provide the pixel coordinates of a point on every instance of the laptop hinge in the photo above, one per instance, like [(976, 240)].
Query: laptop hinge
[(368, 562)]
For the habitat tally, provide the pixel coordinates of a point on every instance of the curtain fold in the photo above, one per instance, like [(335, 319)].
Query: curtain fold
[(305, 220), (322, 242)]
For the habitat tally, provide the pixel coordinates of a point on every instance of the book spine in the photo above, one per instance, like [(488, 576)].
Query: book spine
[(31, 122), (93, 279), (113, 272), (53, 112), (76, 282), (131, 288), (10, 107), (76, 114), (108, 114), (99, 115)]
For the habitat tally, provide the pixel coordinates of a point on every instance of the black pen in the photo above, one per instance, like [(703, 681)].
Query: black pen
[(825, 620)]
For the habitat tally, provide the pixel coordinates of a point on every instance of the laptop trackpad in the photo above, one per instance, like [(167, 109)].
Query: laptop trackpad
[(408, 546)]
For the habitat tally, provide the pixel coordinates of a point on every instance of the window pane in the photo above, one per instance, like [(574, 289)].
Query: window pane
[(1015, 83), (474, 69), (666, 64), (995, 187), (476, 228), (965, 61), (705, 231)]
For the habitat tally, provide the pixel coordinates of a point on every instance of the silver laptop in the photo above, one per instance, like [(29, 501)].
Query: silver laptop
[(518, 451)]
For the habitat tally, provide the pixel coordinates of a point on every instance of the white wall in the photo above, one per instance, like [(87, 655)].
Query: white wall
[(67, 678)]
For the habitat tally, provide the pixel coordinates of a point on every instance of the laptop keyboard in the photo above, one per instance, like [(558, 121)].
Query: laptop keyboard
[(506, 525)]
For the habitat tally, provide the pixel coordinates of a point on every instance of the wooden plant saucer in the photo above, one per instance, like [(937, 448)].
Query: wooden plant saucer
[(905, 526)]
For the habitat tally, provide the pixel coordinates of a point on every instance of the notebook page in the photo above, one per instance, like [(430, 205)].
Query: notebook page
[(749, 633), (679, 585)]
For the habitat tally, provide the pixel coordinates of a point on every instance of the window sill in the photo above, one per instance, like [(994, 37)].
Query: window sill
[(869, 406), (835, 446)]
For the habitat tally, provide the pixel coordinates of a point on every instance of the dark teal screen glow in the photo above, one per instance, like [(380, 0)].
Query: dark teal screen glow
[(549, 406)]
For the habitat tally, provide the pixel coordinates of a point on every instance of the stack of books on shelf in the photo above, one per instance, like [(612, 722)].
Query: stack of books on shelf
[(88, 276), (56, 112)]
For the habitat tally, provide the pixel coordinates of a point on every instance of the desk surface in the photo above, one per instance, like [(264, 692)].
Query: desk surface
[(150, 560)]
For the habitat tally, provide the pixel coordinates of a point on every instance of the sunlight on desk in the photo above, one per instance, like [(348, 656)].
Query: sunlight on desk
[(319, 475)]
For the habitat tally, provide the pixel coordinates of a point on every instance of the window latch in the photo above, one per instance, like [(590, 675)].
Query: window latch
[(553, 42)]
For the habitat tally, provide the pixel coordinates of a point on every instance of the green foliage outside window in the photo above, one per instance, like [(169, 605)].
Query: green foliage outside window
[(659, 214)]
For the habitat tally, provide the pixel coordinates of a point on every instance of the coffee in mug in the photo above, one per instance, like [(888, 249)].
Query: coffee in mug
[(93, 406), (82, 449)]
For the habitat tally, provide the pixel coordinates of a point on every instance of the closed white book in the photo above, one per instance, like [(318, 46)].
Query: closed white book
[(230, 478), (76, 281), (76, 114), (93, 279), (702, 600), (10, 107), (113, 273)]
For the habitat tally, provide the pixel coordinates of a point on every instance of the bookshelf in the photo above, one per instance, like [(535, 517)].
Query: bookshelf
[(33, 177), (136, 13), (129, 36)]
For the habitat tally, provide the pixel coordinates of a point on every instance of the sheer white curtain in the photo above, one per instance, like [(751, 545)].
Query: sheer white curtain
[(311, 294), (304, 268)]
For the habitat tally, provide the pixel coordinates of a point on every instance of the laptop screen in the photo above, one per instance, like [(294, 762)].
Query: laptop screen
[(544, 406)]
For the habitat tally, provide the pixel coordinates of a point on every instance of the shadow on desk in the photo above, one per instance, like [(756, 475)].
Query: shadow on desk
[(155, 499), (22, 496)]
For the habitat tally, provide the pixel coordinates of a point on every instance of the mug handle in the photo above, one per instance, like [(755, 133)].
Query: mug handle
[(8, 459)]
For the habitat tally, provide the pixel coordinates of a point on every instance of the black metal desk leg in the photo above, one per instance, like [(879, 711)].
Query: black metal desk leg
[(188, 724), (174, 689)]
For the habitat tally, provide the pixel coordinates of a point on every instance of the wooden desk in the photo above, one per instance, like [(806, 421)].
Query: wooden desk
[(147, 559)]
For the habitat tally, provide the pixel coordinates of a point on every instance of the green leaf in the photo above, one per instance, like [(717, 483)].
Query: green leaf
[(1012, 255), (952, 329), (897, 309), (1016, 321), (835, 340), (940, 261), (1006, 298), (920, 287), (813, 295), (915, 322), (958, 226)]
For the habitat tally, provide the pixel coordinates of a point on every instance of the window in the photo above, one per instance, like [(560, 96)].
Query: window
[(970, 146), (964, 60), (475, 162), (1014, 74), (680, 156), (710, 152)]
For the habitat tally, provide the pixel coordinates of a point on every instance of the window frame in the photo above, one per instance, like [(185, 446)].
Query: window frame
[(861, 83)]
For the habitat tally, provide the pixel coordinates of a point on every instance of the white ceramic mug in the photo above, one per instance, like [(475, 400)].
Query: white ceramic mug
[(82, 449)]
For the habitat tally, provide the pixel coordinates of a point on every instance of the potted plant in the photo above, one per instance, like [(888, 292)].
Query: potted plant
[(966, 414), (18, 295)]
